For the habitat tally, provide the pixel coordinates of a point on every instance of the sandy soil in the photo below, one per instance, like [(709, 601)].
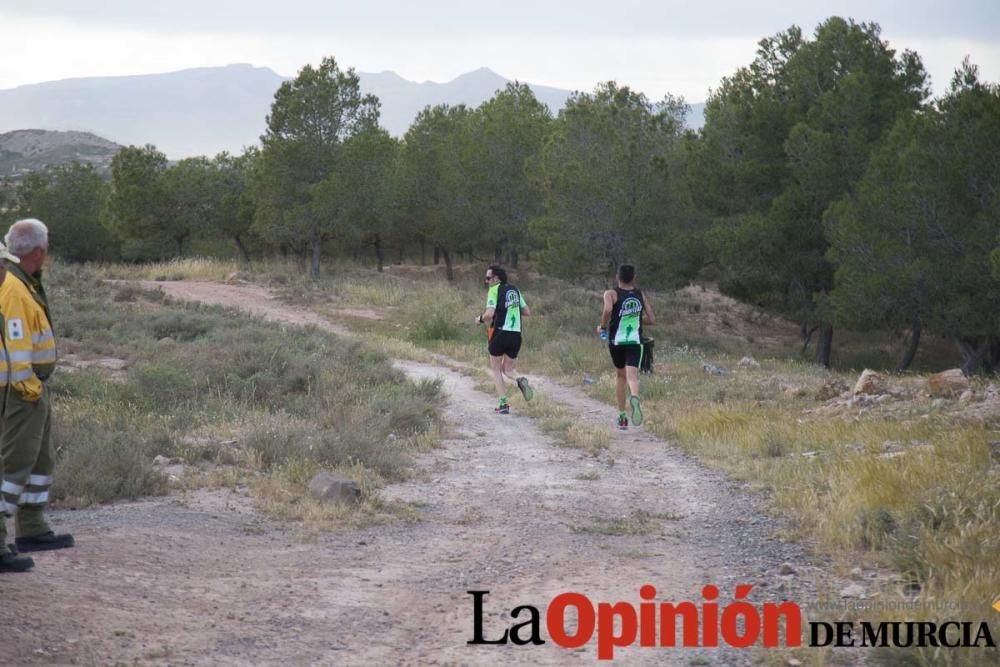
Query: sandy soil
[(201, 578)]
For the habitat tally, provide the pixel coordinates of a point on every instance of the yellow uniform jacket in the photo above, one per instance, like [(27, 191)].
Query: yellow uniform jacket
[(27, 331)]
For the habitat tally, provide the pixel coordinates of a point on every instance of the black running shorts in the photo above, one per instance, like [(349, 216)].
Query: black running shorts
[(626, 355), (505, 343)]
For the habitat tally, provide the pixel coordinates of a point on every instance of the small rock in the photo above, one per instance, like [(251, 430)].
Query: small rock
[(161, 460), (166, 340), (870, 382), (938, 403), (335, 489), (857, 574), (714, 370), (588, 380), (749, 362), (948, 384), (853, 591), (786, 568), (832, 388), (966, 396), (792, 662)]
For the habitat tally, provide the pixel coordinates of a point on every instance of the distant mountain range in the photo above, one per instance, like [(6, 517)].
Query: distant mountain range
[(207, 110), (24, 151)]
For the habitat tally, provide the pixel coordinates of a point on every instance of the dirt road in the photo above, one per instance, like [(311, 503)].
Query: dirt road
[(200, 578)]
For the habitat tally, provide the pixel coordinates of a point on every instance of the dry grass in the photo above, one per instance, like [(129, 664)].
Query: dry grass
[(637, 523), (194, 268), (556, 420)]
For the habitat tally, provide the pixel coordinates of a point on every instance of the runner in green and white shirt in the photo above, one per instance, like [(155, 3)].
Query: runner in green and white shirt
[(505, 306)]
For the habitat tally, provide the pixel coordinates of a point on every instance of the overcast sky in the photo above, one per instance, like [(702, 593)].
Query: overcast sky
[(656, 46)]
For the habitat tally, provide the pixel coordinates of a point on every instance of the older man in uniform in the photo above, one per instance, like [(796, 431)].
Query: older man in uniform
[(25, 440), (10, 561)]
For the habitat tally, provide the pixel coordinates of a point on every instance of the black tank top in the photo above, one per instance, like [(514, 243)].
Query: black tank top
[(625, 327)]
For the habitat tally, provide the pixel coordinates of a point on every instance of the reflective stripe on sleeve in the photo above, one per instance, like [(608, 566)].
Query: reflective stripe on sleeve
[(21, 376), (11, 488), (40, 480), (43, 357), (43, 337), (34, 498)]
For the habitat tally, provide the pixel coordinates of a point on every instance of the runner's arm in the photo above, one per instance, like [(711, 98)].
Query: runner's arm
[(525, 311), (491, 304), (486, 316), (609, 305), (647, 313)]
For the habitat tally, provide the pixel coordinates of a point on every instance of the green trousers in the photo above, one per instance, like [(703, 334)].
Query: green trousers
[(26, 450)]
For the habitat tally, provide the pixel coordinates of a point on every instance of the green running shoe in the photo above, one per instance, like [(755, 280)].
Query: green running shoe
[(636, 410), (526, 390)]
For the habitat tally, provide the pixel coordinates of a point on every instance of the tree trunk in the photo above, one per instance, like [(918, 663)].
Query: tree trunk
[(980, 354), (423, 252), (437, 254), (513, 259), (806, 333), (315, 247), (824, 345), (378, 252), (243, 250), (910, 351), (180, 246), (449, 271)]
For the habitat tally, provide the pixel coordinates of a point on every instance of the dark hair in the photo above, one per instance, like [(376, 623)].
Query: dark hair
[(498, 271), (626, 273)]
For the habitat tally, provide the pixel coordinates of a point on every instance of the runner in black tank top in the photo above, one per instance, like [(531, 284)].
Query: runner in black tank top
[(625, 312), (625, 327)]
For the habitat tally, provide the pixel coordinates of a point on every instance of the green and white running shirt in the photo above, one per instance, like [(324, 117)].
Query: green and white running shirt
[(625, 327), (506, 302)]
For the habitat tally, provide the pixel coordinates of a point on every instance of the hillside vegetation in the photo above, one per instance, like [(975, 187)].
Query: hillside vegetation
[(25, 151), (237, 401)]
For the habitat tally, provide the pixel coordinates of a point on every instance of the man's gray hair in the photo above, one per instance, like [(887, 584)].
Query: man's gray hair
[(26, 235)]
